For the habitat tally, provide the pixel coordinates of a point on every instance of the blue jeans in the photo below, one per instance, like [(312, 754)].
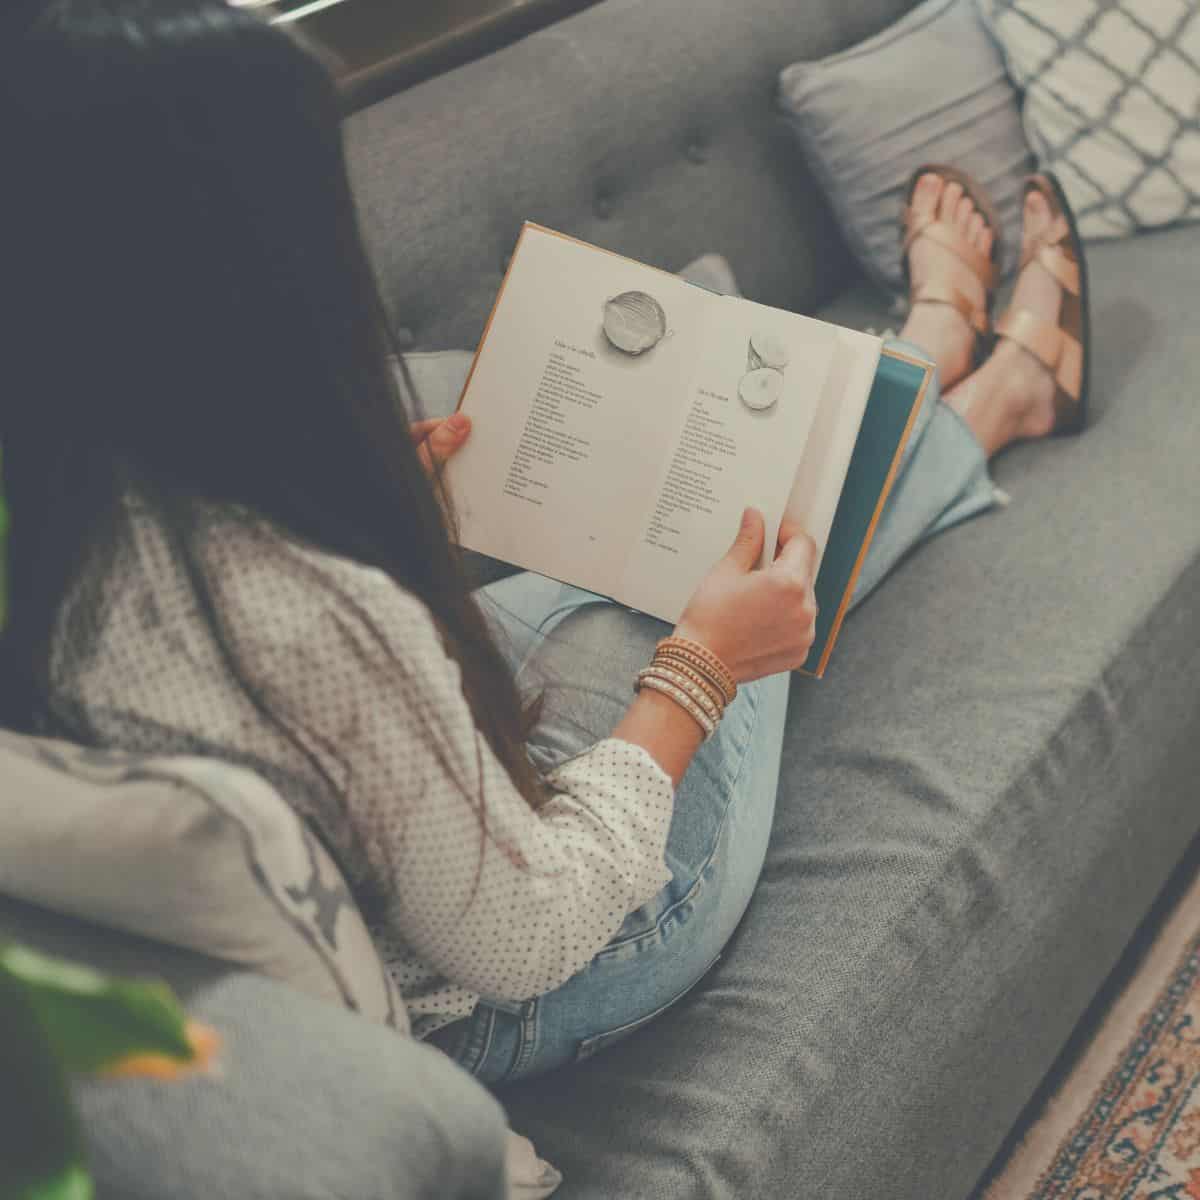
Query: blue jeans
[(582, 652)]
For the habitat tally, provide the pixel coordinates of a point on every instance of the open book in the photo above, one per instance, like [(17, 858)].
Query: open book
[(623, 419)]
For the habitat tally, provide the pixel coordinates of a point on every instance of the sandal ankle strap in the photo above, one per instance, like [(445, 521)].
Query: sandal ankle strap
[(1059, 352), (945, 293)]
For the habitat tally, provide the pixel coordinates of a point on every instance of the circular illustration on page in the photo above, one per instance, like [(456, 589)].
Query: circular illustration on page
[(634, 322), (762, 385)]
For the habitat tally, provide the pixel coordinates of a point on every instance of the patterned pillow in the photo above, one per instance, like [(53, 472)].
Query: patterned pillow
[(1112, 103), (192, 852), (930, 88)]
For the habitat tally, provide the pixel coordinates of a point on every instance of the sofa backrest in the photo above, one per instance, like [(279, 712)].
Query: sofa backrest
[(647, 126)]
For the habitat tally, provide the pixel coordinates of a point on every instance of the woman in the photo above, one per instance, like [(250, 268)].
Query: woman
[(226, 540)]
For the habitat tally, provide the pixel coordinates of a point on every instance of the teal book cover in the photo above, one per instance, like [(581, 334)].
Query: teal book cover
[(896, 397)]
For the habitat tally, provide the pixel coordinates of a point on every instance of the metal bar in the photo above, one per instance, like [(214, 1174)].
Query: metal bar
[(304, 11)]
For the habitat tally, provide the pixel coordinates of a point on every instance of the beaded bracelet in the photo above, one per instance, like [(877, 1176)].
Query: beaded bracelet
[(689, 687), (702, 658), (713, 690), (689, 706)]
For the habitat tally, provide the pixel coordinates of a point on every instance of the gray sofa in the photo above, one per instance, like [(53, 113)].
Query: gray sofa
[(983, 797)]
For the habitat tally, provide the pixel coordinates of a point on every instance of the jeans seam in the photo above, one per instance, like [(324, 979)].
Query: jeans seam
[(529, 1038), (689, 897), (480, 1057)]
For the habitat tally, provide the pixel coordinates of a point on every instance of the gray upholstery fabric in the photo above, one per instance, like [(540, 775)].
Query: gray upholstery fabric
[(865, 120), (652, 130), (309, 1102), (976, 807)]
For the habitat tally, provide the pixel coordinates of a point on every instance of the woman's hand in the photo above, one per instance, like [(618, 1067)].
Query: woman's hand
[(757, 622), (437, 439)]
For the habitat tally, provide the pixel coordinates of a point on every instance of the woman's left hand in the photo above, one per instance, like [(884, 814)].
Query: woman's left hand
[(437, 439)]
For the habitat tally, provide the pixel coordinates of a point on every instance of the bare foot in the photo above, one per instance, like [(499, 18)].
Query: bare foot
[(939, 329), (1011, 397)]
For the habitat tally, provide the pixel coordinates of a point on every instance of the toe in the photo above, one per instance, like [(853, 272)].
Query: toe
[(1037, 216), (975, 229), (966, 210), (987, 239), (951, 195), (926, 194)]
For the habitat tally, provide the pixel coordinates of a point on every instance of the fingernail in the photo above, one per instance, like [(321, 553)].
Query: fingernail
[(458, 424)]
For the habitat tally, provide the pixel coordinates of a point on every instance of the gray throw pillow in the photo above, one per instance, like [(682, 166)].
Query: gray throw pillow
[(190, 852), (930, 88)]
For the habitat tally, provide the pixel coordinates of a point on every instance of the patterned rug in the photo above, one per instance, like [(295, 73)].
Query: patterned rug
[(1126, 1124)]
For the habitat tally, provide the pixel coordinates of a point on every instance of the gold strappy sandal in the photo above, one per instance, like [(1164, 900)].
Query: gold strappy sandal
[(1063, 347), (985, 267)]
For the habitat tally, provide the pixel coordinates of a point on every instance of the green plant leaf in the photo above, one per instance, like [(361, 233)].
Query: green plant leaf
[(40, 1148), (92, 1022), (74, 1183)]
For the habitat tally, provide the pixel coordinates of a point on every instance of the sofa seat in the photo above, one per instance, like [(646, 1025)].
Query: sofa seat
[(978, 804)]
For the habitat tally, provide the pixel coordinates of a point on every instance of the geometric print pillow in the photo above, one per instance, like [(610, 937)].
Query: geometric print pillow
[(191, 852), (1112, 103)]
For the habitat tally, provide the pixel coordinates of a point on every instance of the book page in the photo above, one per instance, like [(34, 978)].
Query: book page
[(755, 388), (822, 471), (577, 391)]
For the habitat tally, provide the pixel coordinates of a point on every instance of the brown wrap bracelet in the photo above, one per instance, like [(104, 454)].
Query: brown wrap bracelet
[(713, 708), (707, 725), (702, 658), (693, 677), (713, 691)]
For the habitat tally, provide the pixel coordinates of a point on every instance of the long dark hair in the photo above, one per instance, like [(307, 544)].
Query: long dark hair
[(195, 314)]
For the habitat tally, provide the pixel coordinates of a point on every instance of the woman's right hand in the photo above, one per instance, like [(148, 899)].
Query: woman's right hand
[(757, 622)]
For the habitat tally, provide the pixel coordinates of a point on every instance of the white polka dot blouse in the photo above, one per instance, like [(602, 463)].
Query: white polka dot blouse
[(355, 712)]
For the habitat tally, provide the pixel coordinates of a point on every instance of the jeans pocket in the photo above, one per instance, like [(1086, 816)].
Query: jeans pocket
[(591, 1046)]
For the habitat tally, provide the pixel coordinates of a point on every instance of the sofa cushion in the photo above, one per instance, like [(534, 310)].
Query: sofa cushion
[(191, 852), (309, 1103), (866, 118), (977, 805)]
